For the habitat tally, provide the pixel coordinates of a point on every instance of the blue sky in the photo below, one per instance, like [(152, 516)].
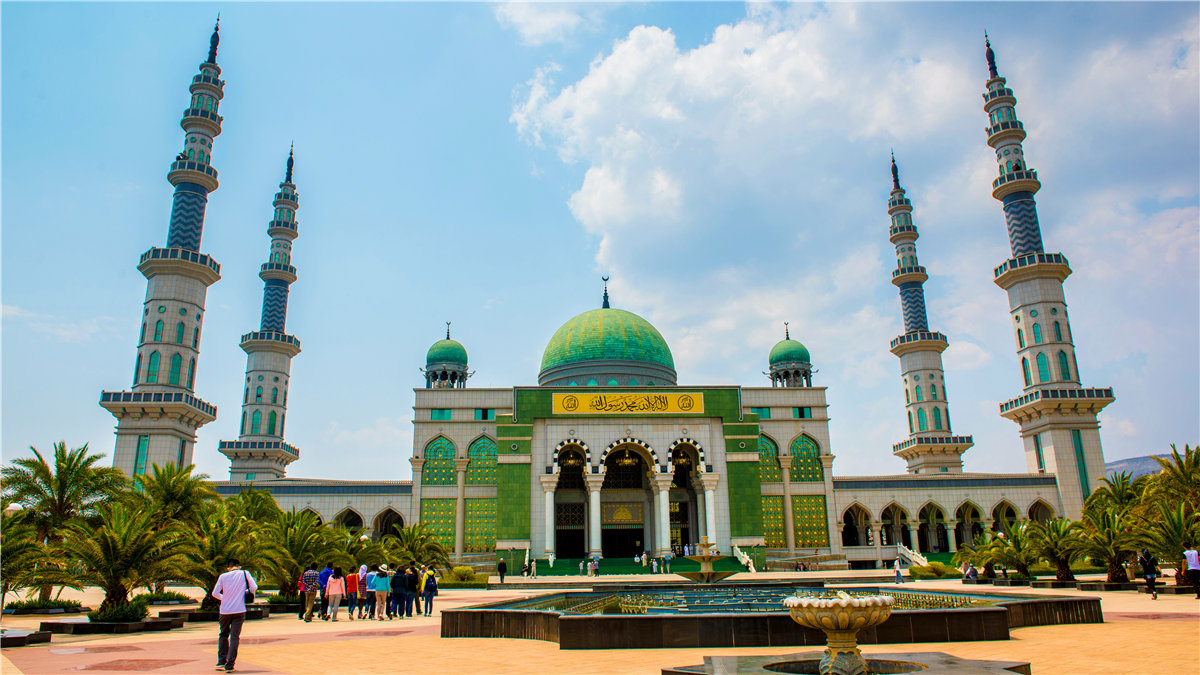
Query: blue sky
[(485, 164)]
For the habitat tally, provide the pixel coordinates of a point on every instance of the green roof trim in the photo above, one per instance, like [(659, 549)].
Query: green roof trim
[(607, 334), (446, 351), (789, 351)]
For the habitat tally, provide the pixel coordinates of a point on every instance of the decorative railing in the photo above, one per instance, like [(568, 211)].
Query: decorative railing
[(1004, 126), (997, 93), (157, 397), (1057, 394), (1031, 259), (177, 253), (272, 335), (1027, 174), (192, 165), (912, 269), (278, 267), (933, 440), (258, 445), (919, 336), (911, 556)]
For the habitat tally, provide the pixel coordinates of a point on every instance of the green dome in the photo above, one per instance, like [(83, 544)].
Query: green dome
[(607, 334), (788, 351), (446, 351)]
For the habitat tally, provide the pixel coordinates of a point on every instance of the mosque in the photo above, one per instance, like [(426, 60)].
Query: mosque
[(610, 455)]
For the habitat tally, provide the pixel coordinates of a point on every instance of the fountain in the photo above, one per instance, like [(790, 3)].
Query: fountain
[(840, 619), (706, 575)]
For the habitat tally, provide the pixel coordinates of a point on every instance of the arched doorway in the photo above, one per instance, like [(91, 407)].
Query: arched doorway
[(625, 503), (895, 527), (386, 523), (683, 507), (856, 527), (320, 520), (931, 533), (970, 524), (1040, 511), (349, 519), (1003, 516), (570, 504)]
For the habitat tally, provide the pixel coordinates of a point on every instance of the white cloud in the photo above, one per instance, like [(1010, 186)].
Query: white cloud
[(14, 312), (540, 23), (103, 327)]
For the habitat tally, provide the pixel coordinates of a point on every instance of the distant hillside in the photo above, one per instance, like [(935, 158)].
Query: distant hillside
[(1136, 466)]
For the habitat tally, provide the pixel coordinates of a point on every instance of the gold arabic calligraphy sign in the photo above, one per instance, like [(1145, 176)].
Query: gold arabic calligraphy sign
[(603, 403)]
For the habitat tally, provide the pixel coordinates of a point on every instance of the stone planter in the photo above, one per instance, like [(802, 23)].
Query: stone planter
[(110, 627), (980, 581), (1010, 582), (1053, 584), (1105, 586), (1168, 590), (20, 638), (57, 610), (194, 615)]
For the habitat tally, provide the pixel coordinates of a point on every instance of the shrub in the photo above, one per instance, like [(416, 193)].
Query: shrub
[(42, 604), (462, 573), (1020, 577), (163, 596), (934, 570), (283, 599), (129, 611)]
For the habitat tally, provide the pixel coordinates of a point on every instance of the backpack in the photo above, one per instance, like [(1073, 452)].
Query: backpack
[(431, 584)]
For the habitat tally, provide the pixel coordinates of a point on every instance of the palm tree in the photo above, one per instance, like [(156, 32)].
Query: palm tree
[(359, 547), (1168, 536), (255, 505), (174, 495), (1015, 549), (1106, 537), (56, 494), (123, 552), (980, 552), (1179, 479), (1121, 492), (297, 539), (221, 535), (417, 543), (1057, 541)]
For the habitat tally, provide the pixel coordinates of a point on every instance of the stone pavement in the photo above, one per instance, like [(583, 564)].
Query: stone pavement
[(1139, 636)]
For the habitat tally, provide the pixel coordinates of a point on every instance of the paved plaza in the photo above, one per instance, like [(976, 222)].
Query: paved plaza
[(1139, 636)]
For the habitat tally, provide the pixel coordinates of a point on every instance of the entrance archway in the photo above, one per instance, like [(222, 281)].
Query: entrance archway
[(385, 521), (895, 527), (625, 503), (570, 500), (856, 527), (931, 534), (970, 524), (349, 519)]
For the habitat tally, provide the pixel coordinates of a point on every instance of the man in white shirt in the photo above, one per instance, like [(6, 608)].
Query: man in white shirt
[(1191, 566), (231, 590)]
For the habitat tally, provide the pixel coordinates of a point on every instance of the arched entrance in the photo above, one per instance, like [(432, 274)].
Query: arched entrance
[(895, 527), (1003, 516), (349, 519), (570, 504), (931, 534), (683, 509), (386, 523), (1040, 511), (856, 527), (970, 524), (320, 520), (625, 503)]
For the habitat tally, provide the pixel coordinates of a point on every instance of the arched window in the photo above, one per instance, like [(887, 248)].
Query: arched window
[(274, 394), (806, 461), (933, 392), (439, 463), (246, 396), (1043, 365), (137, 367), (1037, 333), (768, 461), (910, 426), (922, 423), (282, 420), (243, 421), (1063, 366), (271, 424), (158, 331), (152, 367), (258, 395), (255, 421), (937, 419), (196, 336), (179, 333), (917, 390), (1058, 332), (142, 337), (1025, 369), (1020, 338), (191, 372), (176, 366), (191, 153), (482, 469), (906, 396)]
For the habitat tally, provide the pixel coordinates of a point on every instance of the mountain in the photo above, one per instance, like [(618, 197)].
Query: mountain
[(1136, 466)]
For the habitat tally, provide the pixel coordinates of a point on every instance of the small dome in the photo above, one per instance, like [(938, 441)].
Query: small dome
[(610, 335), (789, 351), (446, 351)]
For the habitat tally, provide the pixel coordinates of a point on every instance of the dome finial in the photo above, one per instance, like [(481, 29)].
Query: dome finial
[(786, 334), (991, 56), (290, 162), (447, 330), (895, 173), (214, 40), (605, 304)]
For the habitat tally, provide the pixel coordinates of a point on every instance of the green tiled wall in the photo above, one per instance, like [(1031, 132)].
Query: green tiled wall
[(806, 462), (439, 463), (512, 501), (482, 469), (772, 509), (481, 525), (809, 521), (768, 461), (438, 516), (745, 500)]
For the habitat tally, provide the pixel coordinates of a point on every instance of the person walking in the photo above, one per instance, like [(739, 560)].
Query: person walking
[(300, 589), (233, 589), (381, 592), (429, 589), (502, 569), (410, 590), (396, 603), (325, 574), (896, 567), (369, 597), (1191, 566), (335, 588), (533, 569), (351, 594), (1149, 565), (312, 587)]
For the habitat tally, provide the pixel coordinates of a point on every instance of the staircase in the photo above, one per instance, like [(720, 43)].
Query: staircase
[(911, 556), (779, 560)]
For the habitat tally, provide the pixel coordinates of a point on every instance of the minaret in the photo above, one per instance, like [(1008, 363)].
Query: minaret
[(931, 447), (259, 452), (158, 417), (1056, 413)]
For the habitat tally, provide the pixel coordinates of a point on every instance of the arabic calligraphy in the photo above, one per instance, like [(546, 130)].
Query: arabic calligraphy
[(613, 403)]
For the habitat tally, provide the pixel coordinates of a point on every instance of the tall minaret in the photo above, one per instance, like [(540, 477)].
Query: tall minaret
[(259, 452), (158, 417), (1057, 415), (931, 447)]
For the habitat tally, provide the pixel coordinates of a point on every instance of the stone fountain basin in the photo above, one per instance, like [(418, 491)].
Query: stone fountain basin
[(926, 663)]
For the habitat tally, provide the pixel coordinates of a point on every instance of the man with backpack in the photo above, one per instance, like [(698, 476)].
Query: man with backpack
[(234, 589)]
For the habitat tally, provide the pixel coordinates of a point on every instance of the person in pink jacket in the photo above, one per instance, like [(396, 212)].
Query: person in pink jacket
[(335, 589)]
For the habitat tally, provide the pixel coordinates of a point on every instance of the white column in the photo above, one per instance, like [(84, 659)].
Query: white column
[(789, 529), (663, 483), (951, 526), (549, 483), (460, 507), (593, 485), (710, 505), (875, 527), (698, 532)]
